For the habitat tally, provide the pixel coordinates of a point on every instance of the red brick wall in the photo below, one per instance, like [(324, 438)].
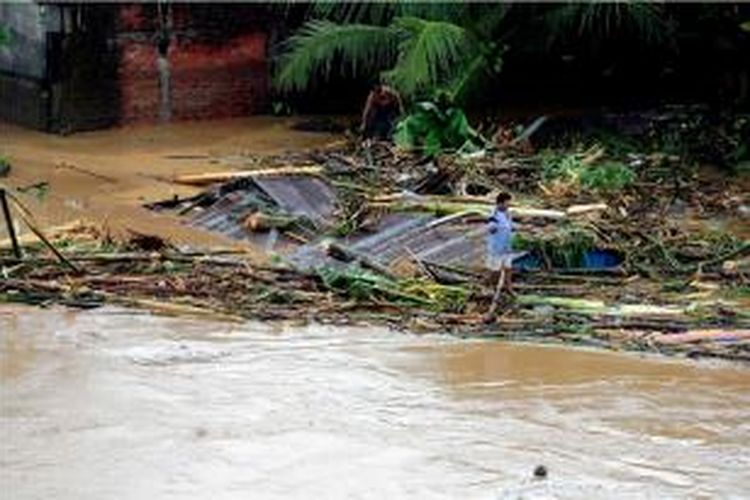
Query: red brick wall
[(212, 75)]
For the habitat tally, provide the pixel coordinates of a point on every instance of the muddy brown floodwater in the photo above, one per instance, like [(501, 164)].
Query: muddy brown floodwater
[(106, 176), (115, 404)]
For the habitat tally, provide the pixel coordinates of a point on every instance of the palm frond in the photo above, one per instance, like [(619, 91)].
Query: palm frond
[(430, 52), (602, 20), (355, 49)]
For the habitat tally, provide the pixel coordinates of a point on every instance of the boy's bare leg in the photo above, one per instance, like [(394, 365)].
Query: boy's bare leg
[(498, 290)]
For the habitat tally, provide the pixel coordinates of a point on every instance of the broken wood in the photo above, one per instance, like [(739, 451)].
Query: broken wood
[(215, 177), (346, 254), (26, 217), (9, 224)]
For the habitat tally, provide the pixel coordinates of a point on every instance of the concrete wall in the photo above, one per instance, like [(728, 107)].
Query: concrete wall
[(26, 24), (24, 96)]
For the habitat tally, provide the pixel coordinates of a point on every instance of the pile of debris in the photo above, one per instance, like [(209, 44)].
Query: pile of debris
[(391, 205), (145, 272), (375, 234)]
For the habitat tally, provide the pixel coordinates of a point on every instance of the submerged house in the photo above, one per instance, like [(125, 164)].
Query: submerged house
[(80, 66)]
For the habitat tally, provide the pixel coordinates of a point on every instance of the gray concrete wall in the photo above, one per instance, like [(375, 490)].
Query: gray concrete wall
[(26, 24), (24, 96)]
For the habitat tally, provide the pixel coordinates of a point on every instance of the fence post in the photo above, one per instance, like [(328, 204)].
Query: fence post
[(9, 224)]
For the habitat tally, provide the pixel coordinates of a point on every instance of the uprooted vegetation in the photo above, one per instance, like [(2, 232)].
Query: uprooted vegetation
[(610, 310), (390, 236)]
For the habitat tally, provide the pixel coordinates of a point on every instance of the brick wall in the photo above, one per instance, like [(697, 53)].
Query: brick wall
[(217, 60)]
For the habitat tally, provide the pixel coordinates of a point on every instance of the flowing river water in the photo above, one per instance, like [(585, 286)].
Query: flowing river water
[(113, 404)]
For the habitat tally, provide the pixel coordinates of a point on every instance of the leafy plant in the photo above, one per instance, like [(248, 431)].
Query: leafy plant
[(573, 169), (563, 248), (609, 177), (433, 129), (445, 298), (363, 285), (565, 167), (354, 48)]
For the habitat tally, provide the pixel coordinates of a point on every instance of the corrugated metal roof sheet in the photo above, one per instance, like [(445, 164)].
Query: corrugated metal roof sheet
[(398, 236), (447, 240), (301, 195), (444, 241), (298, 195)]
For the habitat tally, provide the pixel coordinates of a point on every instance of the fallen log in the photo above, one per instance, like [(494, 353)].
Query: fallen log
[(574, 210), (713, 335), (475, 204), (444, 208), (216, 177)]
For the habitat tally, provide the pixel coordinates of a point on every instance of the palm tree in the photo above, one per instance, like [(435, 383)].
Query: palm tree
[(418, 47), (415, 47)]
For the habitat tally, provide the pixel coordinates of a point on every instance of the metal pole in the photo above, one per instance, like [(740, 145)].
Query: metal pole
[(9, 224)]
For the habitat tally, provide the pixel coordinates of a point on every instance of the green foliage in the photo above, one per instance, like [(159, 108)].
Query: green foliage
[(609, 177), (322, 46), (600, 20), (433, 129), (422, 46), (445, 298), (563, 248), (362, 285), (416, 47), (739, 292), (565, 167), (429, 53)]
